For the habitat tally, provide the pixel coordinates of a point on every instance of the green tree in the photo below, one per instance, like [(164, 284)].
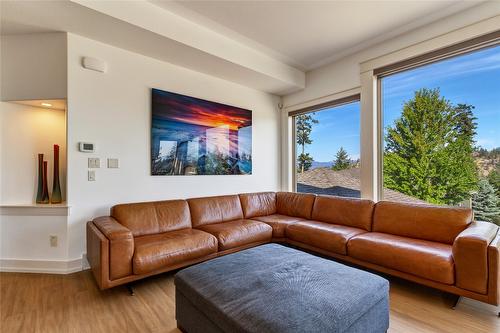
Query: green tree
[(428, 152), (485, 203), (494, 179), (342, 160), (303, 125), (304, 161)]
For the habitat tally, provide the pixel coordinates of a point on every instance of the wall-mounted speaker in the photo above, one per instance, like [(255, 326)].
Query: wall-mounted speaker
[(94, 64)]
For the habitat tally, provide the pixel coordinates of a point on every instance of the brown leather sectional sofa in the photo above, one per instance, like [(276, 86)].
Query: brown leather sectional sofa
[(440, 247)]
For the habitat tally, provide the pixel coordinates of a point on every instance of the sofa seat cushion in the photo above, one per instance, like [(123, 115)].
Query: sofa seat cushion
[(153, 252), (278, 222), (326, 236), (426, 259), (238, 233)]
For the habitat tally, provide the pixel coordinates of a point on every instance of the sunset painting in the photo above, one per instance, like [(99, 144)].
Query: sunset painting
[(192, 136)]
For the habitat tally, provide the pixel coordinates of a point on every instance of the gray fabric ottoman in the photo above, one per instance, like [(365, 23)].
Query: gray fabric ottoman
[(273, 288)]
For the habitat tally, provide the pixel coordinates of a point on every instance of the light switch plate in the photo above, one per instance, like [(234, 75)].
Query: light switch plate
[(53, 240), (91, 176), (113, 163), (94, 162)]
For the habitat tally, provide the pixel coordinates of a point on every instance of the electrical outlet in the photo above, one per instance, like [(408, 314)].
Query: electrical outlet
[(91, 176), (94, 162), (53, 240)]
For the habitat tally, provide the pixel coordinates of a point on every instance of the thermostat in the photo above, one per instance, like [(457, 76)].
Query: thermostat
[(86, 147)]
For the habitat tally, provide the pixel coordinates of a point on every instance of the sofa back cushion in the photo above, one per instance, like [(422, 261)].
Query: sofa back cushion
[(148, 218), (433, 223), (295, 204), (210, 210), (350, 212), (258, 204)]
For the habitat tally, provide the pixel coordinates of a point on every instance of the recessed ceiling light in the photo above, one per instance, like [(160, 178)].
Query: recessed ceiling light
[(46, 104)]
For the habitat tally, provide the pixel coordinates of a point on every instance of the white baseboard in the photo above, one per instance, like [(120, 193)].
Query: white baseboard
[(41, 266), (85, 262)]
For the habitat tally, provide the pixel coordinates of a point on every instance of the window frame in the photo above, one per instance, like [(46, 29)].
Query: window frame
[(455, 50), (310, 109)]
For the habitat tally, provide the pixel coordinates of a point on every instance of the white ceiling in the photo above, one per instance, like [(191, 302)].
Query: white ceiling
[(266, 45), (18, 28), (308, 34), (145, 28)]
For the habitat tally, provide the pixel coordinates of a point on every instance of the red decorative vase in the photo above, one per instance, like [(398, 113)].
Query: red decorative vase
[(45, 191), (56, 186)]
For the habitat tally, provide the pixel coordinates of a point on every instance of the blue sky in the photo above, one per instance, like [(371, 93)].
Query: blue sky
[(471, 79), (337, 127)]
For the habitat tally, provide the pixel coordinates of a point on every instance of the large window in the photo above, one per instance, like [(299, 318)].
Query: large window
[(327, 150), (441, 133)]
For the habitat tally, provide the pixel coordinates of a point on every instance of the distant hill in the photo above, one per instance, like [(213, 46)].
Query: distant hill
[(316, 164), (487, 161)]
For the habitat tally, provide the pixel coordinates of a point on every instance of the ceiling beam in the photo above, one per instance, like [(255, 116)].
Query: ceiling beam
[(145, 28)]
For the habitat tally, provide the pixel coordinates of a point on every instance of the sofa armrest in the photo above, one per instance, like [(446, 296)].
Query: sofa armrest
[(98, 255), (494, 270), (121, 246), (111, 228), (470, 253)]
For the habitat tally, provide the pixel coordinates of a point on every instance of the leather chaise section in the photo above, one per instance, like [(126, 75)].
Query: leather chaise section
[(153, 252), (470, 252), (430, 260), (278, 222), (326, 236), (238, 233)]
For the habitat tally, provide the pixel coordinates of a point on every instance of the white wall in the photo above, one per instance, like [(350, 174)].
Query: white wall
[(25, 237), (113, 111), (33, 66)]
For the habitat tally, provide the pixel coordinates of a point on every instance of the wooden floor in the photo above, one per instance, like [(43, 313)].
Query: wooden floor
[(72, 303)]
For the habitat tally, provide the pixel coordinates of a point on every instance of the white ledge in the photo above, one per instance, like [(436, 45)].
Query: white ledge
[(35, 209)]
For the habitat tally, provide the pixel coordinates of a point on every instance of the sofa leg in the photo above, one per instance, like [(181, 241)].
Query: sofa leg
[(455, 303), (130, 289)]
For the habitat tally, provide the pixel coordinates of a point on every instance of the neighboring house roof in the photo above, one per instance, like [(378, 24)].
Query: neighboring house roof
[(344, 183)]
